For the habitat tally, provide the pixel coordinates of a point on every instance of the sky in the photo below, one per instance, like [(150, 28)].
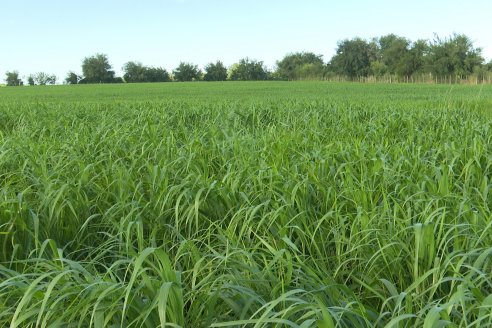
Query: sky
[(54, 36)]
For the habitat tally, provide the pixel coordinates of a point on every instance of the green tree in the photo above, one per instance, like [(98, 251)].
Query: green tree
[(416, 57), (215, 72), (156, 74), (409, 61), (12, 79), (72, 78), (488, 66), (393, 52), (42, 78), (454, 56), (467, 58), (136, 72), (186, 72), (248, 70), (300, 65), (378, 68), (30, 80), (96, 69), (353, 58)]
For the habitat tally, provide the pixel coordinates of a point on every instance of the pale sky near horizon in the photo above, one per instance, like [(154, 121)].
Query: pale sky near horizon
[(53, 36)]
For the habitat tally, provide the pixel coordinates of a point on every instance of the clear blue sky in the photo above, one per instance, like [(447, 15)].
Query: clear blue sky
[(54, 36)]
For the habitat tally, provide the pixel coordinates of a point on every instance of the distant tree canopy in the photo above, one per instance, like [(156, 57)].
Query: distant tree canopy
[(391, 51), (72, 78), (156, 74), (186, 72), (42, 78), (12, 79), (300, 65), (96, 69), (390, 56), (353, 58), (215, 72), (455, 55), (396, 55), (136, 72), (248, 70)]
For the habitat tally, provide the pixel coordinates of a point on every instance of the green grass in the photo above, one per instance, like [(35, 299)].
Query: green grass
[(246, 205)]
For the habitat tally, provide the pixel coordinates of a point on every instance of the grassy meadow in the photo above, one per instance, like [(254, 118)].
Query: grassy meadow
[(248, 204)]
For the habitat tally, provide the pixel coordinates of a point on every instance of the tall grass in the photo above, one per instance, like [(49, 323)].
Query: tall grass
[(308, 205)]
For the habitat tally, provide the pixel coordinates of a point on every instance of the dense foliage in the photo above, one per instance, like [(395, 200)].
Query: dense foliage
[(246, 204), (97, 69), (301, 65), (454, 57), (136, 72), (248, 70), (186, 72), (42, 78), (12, 79), (215, 72), (72, 78), (386, 58)]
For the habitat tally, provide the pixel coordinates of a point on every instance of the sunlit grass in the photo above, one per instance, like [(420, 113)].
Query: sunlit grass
[(249, 204)]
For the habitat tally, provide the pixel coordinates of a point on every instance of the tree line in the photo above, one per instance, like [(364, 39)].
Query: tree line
[(450, 59)]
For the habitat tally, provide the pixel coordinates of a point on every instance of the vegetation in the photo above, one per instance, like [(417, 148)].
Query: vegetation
[(41, 78), (136, 72), (388, 58), (248, 70), (215, 72), (96, 69), (246, 205), (301, 65), (72, 78), (352, 59), (12, 79), (186, 72)]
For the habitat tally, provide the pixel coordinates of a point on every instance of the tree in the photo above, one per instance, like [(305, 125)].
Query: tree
[(215, 72), (136, 72), (186, 72), (392, 52), (248, 70), (42, 78), (489, 66), (96, 69), (300, 65), (30, 80), (72, 78), (13, 79), (352, 58), (156, 74), (454, 56), (416, 57), (378, 68)]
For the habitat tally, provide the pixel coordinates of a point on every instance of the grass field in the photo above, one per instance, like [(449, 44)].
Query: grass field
[(246, 205)]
